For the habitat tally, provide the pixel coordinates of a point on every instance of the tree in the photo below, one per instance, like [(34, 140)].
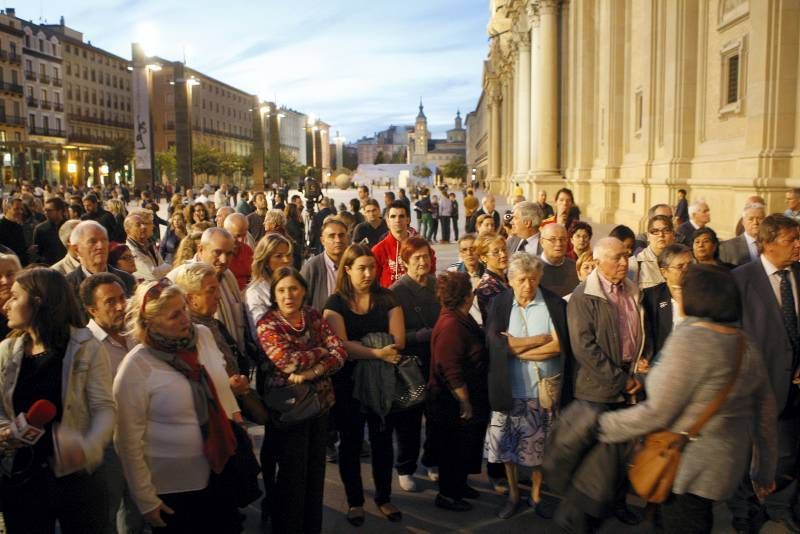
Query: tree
[(456, 168), (350, 158), (399, 156), (380, 158), (421, 171), (118, 155), (229, 164), (167, 163), (205, 160), (290, 169)]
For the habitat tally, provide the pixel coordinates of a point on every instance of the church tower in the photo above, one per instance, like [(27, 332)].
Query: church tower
[(421, 135), (458, 119)]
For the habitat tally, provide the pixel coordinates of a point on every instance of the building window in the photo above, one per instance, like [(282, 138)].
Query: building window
[(638, 112), (733, 77), (732, 94)]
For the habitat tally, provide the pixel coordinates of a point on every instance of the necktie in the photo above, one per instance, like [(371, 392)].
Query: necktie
[(522, 245), (788, 309)]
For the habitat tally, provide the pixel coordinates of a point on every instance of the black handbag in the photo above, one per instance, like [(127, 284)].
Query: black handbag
[(292, 404), (240, 475), (410, 386)]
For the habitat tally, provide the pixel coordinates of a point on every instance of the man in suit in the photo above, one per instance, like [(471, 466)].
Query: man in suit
[(769, 289), (743, 248), (525, 220), (699, 216), (682, 207), (487, 208), (320, 271), (91, 241), (49, 247), (541, 200)]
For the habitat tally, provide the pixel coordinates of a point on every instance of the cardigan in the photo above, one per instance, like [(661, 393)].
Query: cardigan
[(158, 435)]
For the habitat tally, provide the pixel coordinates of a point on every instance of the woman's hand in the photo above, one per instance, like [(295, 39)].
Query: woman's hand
[(296, 378), (154, 516), (389, 354), (466, 410), (239, 384), (642, 367), (8, 441), (762, 492)]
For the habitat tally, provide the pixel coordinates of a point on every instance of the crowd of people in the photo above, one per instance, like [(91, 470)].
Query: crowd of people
[(545, 354)]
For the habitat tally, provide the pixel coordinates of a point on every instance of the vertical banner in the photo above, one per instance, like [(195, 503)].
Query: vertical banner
[(141, 114)]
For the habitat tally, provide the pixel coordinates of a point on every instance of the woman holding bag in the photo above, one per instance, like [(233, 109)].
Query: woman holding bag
[(718, 354), (303, 349), (525, 326), (358, 308)]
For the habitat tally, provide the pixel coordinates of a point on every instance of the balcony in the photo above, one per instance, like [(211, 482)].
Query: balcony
[(58, 106), (44, 78), (74, 117), (47, 132), (11, 88), (45, 104), (30, 75), (13, 120), (33, 102), (4, 55), (13, 57), (89, 139), (57, 82)]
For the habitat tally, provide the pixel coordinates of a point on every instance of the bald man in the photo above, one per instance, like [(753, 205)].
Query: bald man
[(149, 263), (236, 224)]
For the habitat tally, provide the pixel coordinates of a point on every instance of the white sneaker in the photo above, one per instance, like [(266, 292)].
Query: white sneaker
[(433, 474), (407, 482)]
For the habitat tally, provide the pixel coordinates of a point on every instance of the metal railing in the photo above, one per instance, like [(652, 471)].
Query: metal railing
[(47, 132)]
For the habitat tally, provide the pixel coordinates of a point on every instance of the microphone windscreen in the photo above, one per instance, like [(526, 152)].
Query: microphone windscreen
[(40, 413)]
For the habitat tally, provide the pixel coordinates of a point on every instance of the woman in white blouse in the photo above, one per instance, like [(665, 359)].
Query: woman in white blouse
[(272, 252), (174, 403)]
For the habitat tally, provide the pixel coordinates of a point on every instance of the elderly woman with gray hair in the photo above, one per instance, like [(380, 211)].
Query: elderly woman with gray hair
[(529, 346)]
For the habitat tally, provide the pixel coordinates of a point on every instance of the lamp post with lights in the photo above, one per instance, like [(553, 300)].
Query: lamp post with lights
[(143, 68), (183, 86)]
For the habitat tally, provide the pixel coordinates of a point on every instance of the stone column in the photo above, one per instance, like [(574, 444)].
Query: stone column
[(494, 132), (548, 88), (522, 156), (533, 14)]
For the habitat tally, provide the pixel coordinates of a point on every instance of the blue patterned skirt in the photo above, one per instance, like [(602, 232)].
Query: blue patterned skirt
[(518, 436)]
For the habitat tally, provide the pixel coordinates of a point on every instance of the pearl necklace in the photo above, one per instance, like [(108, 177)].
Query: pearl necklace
[(290, 325)]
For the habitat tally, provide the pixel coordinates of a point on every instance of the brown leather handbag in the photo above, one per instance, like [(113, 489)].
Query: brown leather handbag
[(655, 462)]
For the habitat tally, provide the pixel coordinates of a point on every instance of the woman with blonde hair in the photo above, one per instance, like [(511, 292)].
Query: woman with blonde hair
[(176, 231), (174, 402), (9, 267), (117, 208), (271, 253)]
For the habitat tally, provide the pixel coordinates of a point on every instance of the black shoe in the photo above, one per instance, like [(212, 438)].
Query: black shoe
[(355, 516), (627, 516), (468, 492), (454, 505), (546, 508)]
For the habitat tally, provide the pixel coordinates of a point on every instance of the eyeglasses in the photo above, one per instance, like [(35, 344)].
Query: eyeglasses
[(555, 239), (660, 231), (154, 292), (497, 253), (680, 266)]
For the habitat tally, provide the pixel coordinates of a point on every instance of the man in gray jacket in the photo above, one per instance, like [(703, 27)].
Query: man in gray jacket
[(320, 271), (604, 318)]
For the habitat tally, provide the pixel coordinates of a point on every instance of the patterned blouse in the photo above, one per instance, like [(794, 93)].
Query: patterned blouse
[(293, 350), (491, 285)]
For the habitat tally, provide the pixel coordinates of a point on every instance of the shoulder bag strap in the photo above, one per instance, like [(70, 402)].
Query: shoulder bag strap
[(721, 396)]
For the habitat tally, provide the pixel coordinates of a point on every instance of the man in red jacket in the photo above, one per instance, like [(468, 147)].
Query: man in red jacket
[(388, 266)]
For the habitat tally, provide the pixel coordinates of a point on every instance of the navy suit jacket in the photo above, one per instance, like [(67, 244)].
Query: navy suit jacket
[(657, 305), (763, 322)]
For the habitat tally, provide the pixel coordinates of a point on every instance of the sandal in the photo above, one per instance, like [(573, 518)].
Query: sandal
[(355, 516), (390, 512)]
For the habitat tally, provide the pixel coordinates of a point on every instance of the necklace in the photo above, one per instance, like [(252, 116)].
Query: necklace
[(288, 323)]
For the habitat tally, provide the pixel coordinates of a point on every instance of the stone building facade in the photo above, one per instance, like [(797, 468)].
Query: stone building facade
[(13, 133), (625, 102)]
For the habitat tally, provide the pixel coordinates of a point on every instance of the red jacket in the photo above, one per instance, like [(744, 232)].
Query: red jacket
[(389, 268)]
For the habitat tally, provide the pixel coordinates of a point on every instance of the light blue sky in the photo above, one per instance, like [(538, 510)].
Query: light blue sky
[(359, 65)]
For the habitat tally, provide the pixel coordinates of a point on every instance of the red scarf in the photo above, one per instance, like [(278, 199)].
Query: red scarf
[(219, 443)]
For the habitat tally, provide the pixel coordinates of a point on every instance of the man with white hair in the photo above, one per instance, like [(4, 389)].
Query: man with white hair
[(699, 217), (149, 263), (90, 238), (487, 208), (69, 262), (216, 249), (743, 248), (242, 261), (525, 220), (222, 214), (604, 319)]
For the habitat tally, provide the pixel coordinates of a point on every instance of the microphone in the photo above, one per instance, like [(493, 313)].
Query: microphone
[(28, 428)]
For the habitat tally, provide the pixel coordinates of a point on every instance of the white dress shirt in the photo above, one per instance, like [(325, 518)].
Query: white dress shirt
[(531, 244), (116, 351), (775, 280)]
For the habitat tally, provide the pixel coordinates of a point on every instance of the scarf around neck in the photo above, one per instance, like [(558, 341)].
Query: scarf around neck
[(219, 443)]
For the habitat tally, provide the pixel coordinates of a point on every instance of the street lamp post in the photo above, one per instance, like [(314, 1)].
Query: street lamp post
[(183, 124)]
